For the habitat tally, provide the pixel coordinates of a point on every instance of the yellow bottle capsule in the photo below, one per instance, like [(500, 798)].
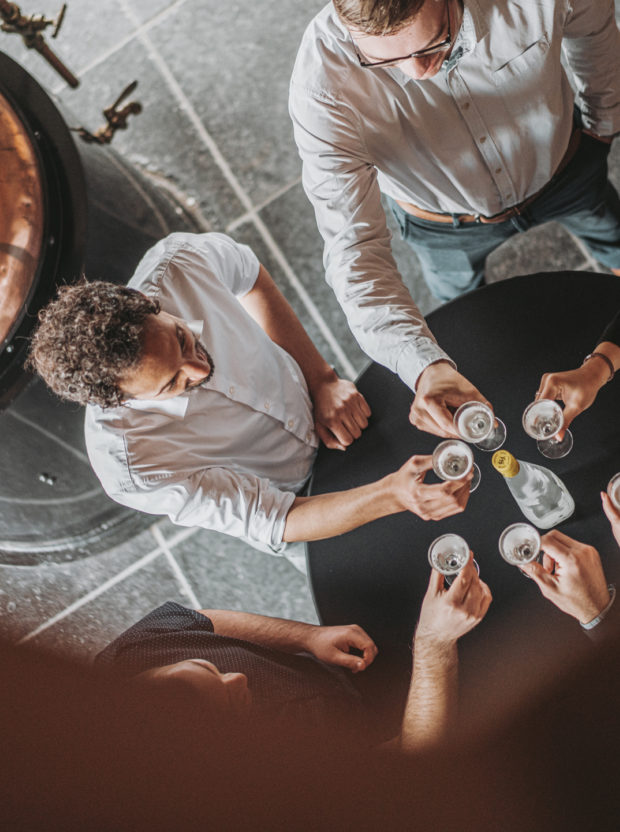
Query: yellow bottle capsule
[(505, 463)]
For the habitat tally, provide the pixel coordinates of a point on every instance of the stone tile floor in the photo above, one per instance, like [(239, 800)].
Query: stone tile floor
[(213, 81)]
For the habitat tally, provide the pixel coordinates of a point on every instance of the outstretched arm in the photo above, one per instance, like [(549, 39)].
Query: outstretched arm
[(329, 644), (446, 615), (328, 515), (340, 411)]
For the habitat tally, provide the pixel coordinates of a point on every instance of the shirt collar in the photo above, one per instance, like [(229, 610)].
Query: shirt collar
[(176, 407), (472, 29)]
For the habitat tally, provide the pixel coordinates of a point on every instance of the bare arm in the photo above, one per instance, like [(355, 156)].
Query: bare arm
[(341, 412), (446, 615), (329, 644), (328, 515)]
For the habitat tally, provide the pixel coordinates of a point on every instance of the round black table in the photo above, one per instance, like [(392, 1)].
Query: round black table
[(503, 337)]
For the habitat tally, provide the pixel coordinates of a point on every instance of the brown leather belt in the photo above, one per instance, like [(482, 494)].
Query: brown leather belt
[(573, 144)]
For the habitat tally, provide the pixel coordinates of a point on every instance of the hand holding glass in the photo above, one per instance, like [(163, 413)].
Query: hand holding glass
[(448, 554), (453, 460), (519, 544), (542, 420), (475, 423)]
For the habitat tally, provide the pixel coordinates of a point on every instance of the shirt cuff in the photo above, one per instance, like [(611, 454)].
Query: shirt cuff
[(591, 628), (416, 357)]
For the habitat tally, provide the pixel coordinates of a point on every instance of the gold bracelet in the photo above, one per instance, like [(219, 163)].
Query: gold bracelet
[(607, 361)]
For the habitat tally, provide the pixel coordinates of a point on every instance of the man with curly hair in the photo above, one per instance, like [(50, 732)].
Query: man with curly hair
[(460, 113), (206, 399)]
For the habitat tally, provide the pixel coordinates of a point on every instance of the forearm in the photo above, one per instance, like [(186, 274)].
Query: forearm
[(328, 515), (433, 694), (270, 309), (277, 633)]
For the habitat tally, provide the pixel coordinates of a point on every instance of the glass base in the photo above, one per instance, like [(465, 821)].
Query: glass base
[(537, 559), (449, 578), (555, 448), (495, 439)]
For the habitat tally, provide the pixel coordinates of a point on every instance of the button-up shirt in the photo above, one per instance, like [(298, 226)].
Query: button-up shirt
[(228, 455), (487, 131)]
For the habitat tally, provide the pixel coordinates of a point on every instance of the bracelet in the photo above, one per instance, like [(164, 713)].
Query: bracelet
[(607, 361), (590, 624)]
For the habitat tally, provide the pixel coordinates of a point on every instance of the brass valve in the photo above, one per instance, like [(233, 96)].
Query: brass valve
[(116, 119), (30, 28)]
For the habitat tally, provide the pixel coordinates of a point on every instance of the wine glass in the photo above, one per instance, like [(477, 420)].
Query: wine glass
[(453, 460), (448, 554), (519, 544), (613, 490), (475, 423), (542, 420)]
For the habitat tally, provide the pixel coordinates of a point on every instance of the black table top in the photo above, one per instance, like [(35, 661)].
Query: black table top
[(503, 338)]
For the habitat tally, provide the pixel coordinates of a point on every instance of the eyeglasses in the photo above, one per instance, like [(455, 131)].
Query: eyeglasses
[(443, 46)]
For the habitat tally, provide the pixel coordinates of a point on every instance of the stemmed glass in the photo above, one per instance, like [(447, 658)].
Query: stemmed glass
[(519, 544), (475, 423), (542, 420), (613, 490), (448, 554), (453, 460)]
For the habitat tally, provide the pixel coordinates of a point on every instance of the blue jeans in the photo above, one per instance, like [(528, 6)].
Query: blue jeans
[(580, 198)]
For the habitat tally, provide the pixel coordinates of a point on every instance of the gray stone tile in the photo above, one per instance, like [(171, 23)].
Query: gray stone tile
[(88, 31), (297, 242), (31, 595), (86, 631), (242, 54), (145, 10), (161, 138), (545, 248), (228, 574)]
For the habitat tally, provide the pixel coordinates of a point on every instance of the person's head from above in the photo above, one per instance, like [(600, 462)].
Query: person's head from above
[(226, 694), (99, 343), (414, 35)]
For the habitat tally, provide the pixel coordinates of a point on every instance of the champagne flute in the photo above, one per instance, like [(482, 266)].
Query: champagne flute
[(542, 420), (475, 422), (448, 554), (453, 460), (613, 490), (519, 544)]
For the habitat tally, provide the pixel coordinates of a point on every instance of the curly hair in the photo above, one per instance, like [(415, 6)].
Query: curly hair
[(87, 338), (377, 17)]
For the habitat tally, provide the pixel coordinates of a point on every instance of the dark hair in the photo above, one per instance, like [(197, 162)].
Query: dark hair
[(88, 338), (377, 17)]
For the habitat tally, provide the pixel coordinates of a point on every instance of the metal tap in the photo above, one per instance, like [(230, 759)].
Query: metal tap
[(30, 28), (116, 119)]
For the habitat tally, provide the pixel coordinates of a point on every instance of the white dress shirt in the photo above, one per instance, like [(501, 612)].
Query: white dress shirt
[(228, 455), (483, 134)]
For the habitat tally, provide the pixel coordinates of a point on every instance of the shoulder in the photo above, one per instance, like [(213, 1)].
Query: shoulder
[(180, 250), (324, 60)]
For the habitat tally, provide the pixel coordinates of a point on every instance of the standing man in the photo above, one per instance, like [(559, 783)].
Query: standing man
[(461, 113)]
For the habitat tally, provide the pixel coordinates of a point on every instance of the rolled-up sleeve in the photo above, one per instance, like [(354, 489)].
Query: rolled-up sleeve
[(341, 183), (592, 47), (219, 499)]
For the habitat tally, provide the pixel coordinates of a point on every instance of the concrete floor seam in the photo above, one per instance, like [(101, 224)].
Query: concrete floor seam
[(241, 194), (145, 560), (184, 583)]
